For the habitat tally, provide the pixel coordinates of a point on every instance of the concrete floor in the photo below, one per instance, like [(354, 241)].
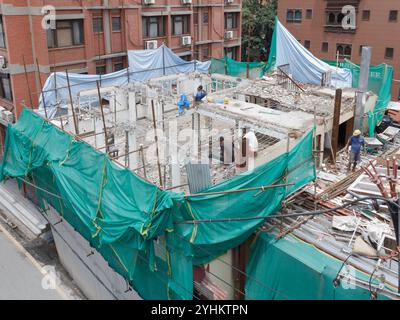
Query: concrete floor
[(20, 275)]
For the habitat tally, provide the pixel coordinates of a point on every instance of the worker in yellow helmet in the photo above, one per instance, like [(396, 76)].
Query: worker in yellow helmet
[(355, 143)]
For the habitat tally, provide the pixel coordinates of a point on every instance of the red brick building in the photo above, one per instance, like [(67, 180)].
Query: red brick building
[(93, 36), (317, 25)]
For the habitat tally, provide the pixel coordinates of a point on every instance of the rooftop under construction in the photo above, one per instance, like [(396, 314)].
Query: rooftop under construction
[(243, 195)]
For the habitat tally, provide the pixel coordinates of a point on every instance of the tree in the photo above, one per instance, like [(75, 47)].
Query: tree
[(258, 19)]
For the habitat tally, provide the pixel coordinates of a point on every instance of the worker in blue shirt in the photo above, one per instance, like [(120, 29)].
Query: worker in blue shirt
[(355, 142), (183, 103), (200, 94)]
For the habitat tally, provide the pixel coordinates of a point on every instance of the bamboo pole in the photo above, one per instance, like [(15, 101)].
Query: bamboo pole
[(76, 124), (143, 161), (102, 115), (41, 89), (262, 188), (156, 141)]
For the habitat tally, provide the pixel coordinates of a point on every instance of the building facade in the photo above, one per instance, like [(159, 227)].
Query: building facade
[(93, 36), (317, 25)]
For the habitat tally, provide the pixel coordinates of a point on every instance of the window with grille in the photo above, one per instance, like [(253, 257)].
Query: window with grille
[(67, 33)]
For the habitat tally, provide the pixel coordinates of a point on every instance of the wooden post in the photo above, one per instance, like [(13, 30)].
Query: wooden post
[(76, 124), (126, 148), (102, 116), (156, 140), (336, 120), (27, 83), (41, 88), (143, 161)]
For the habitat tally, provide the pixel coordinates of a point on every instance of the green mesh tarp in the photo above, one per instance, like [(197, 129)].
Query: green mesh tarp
[(290, 269), (251, 70), (379, 82), (136, 226), (228, 66)]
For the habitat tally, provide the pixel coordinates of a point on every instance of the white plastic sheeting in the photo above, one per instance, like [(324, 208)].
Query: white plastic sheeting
[(78, 82), (304, 66), (143, 65), (148, 64)]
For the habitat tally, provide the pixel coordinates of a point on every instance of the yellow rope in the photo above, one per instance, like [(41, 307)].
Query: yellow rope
[(119, 259)]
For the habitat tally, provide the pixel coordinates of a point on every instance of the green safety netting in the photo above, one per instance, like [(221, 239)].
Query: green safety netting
[(135, 225), (235, 68), (379, 82), (290, 269)]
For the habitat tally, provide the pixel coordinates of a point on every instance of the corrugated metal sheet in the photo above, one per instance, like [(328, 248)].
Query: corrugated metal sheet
[(199, 176)]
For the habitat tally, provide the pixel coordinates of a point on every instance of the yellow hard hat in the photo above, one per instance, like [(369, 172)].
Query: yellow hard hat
[(356, 132)]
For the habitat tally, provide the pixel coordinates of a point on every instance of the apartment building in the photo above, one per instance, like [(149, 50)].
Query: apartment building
[(93, 36), (318, 26)]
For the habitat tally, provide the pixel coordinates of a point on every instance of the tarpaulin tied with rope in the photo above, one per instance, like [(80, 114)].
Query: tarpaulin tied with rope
[(133, 223)]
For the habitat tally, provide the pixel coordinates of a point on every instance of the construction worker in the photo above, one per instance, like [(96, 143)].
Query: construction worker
[(199, 95), (355, 142), (183, 104)]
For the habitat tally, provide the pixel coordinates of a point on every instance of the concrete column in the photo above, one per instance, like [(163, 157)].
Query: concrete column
[(132, 141), (363, 87), (100, 140), (173, 155)]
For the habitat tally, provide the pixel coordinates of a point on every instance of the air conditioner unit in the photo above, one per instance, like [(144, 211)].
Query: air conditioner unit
[(228, 34), (3, 62), (8, 116), (186, 40), (186, 1), (149, 1), (230, 1), (152, 44)]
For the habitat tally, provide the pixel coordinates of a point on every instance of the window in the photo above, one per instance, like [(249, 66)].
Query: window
[(230, 20), (153, 27), (67, 33), (393, 15), (205, 17), (231, 52), (331, 18), (180, 25), (116, 23), (2, 34), (307, 44), (101, 69), (325, 47), (118, 66), (97, 24), (293, 15), (366, 14), (5, 87), (389, 53), (309, 13), (344, 50), (205, 53)]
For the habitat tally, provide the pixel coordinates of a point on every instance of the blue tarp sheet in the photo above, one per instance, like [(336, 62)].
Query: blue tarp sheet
[(148, 64), (304, 66)]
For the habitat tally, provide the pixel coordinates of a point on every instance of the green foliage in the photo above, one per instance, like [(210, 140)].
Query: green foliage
[(258, 19)]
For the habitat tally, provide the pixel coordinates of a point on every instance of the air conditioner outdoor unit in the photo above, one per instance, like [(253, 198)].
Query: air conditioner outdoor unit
[(152, 44), (149, 1), (186, 1), (230, 1), (186, 40), (228, 34), (3, 62), (8, 116)]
